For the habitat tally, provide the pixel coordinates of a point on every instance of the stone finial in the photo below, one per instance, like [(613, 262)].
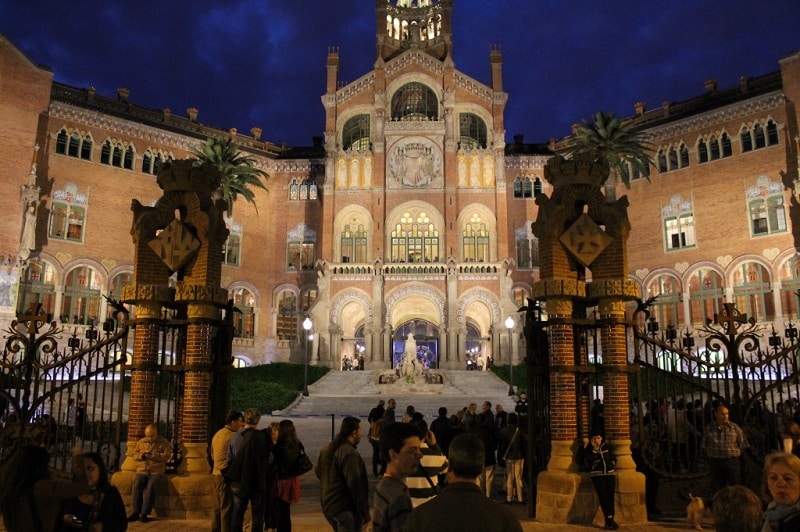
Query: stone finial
[(192, 112), (665, 106), (256, 132), (744, 84), (710, 85), (640, 108), (166, 112), (90, 93), (581, 169), (122, 94), (233, 132)]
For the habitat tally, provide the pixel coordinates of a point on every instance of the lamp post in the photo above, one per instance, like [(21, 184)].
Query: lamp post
[(307, 325), (510, 326)]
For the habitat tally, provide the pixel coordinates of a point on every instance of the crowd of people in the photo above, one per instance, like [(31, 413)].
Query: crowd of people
[(430, 478)]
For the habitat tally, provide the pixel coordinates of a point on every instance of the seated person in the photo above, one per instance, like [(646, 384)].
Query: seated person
[(152, 452)]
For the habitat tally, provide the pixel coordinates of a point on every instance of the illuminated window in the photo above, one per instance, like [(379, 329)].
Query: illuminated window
[(68, 214), (475, 240), (706, 294), (354, 244), (244, 321), (355, 134), (752, 291), (82, 297), (37, 287), (415, 239), (472, 131), (766, 207), (415, 101), (286, 312)]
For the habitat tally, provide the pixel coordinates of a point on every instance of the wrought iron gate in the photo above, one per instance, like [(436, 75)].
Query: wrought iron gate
[(679, 379), (58, 396), (675, 380)]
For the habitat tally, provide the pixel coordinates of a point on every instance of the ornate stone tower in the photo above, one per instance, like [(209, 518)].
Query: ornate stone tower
[(579, 231), (421, 24)]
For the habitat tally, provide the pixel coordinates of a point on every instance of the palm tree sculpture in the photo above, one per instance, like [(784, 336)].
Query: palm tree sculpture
[(239, 175), (606, 137)]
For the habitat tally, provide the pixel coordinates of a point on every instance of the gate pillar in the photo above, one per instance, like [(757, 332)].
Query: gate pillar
[(583, 236)]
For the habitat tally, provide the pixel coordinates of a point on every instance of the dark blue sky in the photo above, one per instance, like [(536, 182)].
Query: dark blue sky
[(246, 63)]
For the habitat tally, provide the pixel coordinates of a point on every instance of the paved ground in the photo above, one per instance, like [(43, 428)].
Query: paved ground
[(306, 515)]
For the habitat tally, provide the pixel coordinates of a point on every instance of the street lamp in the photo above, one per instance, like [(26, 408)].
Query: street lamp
[(509, 326), (307, 325)]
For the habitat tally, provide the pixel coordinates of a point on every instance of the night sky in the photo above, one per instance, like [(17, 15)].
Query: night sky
[(246, 63)]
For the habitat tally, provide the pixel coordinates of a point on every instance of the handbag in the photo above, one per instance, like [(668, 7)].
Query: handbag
[(304, 464)]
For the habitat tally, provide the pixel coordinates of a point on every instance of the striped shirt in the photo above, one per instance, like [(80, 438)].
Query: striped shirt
[(433, 463)]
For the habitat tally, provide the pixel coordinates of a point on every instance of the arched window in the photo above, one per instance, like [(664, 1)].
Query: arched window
[(415, 239), (120, 281), (746, 140), (74, 145), (472, 131), (662, 161), (684, 155), (766, 207), (61, 142), (702, 151), (415, 101), (354, 244), (772, 133), (678, 219), (129, 156), (714, 148), (725, 140), (673, 159), (667, 308), (244, 322), (523, 187), (232, 250), (537, 187), (475, 240), (355, 133), (752, 291), (82, 296), (527, 247), (706, 294), (37, 288), (68, 214), (790, 288), (286, 312)]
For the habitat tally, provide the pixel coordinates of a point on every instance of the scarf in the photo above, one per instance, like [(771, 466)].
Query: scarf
[(776, 513)]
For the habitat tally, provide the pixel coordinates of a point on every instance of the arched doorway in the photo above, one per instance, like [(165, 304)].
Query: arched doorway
[(477, 347), (352, 354), (426, 336)]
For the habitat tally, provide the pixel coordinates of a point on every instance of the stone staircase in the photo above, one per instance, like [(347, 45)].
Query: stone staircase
[(355, 393)]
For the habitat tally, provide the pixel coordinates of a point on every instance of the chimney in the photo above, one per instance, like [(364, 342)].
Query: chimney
[(518, 138), (191, 112), (711, 85), (640, 108), (122, 94), (256, 132), (90, 93), (665, 106), (166, 113), (233, 131)]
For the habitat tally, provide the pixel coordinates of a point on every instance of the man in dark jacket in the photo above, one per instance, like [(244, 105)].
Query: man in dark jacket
[(461, 505), (248, 455), (441, 429), (599, 460), (343, 480)]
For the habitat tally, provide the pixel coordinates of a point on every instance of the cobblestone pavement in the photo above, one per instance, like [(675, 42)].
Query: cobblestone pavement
[(315, 432)]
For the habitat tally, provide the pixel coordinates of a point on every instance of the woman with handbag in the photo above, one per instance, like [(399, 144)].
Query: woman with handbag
[(291, 461)]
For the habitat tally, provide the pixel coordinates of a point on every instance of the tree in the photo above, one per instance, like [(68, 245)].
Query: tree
[(239, 174), (626, 151)]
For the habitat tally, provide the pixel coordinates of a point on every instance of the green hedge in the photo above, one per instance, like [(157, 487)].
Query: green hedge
[(271, 386)]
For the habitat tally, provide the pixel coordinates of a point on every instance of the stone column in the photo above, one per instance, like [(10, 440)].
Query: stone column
[(558, 486)]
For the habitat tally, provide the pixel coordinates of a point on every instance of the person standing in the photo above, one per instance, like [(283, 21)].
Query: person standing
[(287, 453), (441, 429), (462, 504), (152, 453), (391, 503), (343, 480), (599, 460), (223, 499), (724, 442), (521, 408), (423, 484), (512, 449), (375, 420), (248, 455)]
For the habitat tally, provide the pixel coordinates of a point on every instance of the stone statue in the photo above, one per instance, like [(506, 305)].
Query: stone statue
[(28, 241), (408, 365)]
